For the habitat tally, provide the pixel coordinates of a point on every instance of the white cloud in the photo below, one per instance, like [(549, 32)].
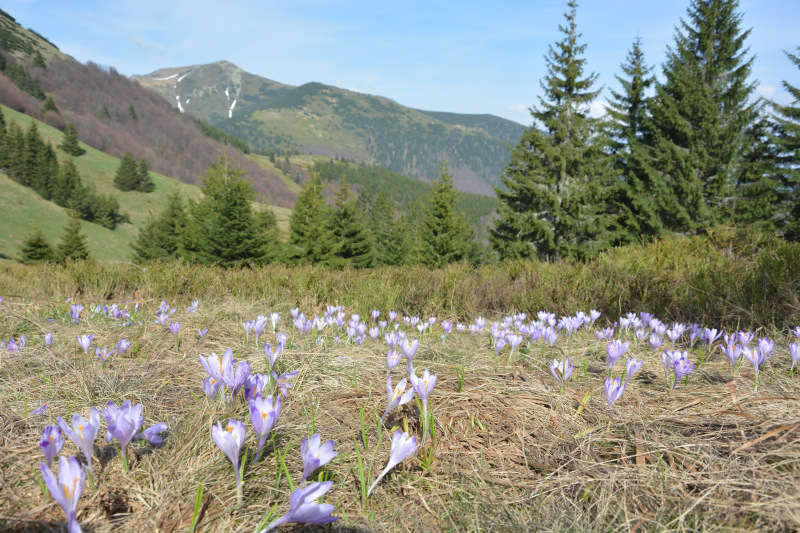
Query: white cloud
[(766, 91), (150, 47), (517, 108), (597, 108)]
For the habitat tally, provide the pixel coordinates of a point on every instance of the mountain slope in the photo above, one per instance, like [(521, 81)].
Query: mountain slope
[(320, 119)]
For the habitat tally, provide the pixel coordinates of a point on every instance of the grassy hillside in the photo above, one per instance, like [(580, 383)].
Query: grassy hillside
[(28, 210)]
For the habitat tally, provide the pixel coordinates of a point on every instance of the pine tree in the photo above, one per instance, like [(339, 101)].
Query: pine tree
[(67, 185), (160, 236), (36, 248), (702, 115), (347, 231), (145, 181), (73, 241), (222, 229), (639, 198), (307, 224), (70, 143), (267, 224), (399, 244), (49, 105), (381, 222), (446, 235), (787, 140), (552, 195), (127, 176)]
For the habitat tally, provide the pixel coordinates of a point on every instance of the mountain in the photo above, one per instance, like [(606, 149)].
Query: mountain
[(321, 119)]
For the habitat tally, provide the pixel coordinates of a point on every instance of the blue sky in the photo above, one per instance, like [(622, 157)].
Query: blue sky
[(465, 56)]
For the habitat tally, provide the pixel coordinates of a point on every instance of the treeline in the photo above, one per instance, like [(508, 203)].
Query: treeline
[(32, 162), (116, 115), (694, 152), (222, 137), (223, 228)]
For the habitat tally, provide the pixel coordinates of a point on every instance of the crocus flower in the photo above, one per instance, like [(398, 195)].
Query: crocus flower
[(755, 357), (710, 336), (123, 345), (423, 387), (103, 354), (274, 318), (682, 368), (796, 332), (174, 327), (255, 384), (733, 351), (614, 351), (794, 351), (217, 367), (375, 314), (123, 423), (230, 440), (632, 366), (41, 409), (283, 380), (392, 359), (655, 341), (397, 396), (51, 443), (264, 415), (765, 347), (403, 447), (745, 337), (211, 386), (48, 339), (561, 371), (202, 333), (614, 389), (235, 378), (83, 433), (272, 353), (85, 342), (315, 455), (669, 357), (304, 507), (247, 327), (193, 308), (67, 489), (409, 349)]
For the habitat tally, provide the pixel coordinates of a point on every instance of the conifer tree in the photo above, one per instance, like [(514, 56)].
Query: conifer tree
[(348, 233), (552, 196), (787, 140), (307, 224), (127, 176), (702, 115), (160, 236), (73, 241), (381, 222), (267, 224), (145, 181), (222, 229), (49, 105), (70, 143), (446, 235), (67, 186), (36, 248), (399, 244)]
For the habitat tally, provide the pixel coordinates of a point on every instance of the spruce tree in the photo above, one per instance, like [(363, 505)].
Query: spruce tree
[(639, 198), (307, 224), (70, 143), (552, 195), (73, 241), (446, 235), (145, 180), (49, 105), (347, 231), (399, 244), (36, 248), (160, 236), (787, 139), (381, 222), (223, 229), (127, 175), (702, 116)]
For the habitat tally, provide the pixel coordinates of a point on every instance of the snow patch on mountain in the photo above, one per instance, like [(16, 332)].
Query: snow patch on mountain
[(167, 78), (181, 78), (180, 107), (230, 111)]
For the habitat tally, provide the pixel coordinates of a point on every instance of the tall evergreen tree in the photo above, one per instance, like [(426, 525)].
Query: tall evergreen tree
[(145, 182), (381, 222), (36, 248), (160, 236), (127, 175), (399, 244), (73, 241), (446, 235), (702, 115), (552, 193), (788, 157), (222, 228), (639, 197), (307, 224), (70, 143), (348, 233)]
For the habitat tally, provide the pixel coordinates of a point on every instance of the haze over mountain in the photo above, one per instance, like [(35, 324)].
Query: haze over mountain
[(321, 119)]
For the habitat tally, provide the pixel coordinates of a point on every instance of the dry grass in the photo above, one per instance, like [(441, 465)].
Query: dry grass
[(510, 453)]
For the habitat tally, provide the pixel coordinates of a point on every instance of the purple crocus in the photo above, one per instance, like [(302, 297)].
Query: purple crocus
[(85, 342), (48, 339), (75, 312), (272, 353), (67, 489), (41, 409), (51, 443), (217, 367), (614, 389), (682, 367), (397, 396), (794, 351), (123, 423), (655, 341), (123, 345), (796, 332), (561, 371), (230, 440), (423, 387), (733, 351), (202, 333), (248, 326), (403, 447), (392, 358), (174, 327), (304, 507), (235, 378), (614, 351), (315, 455), (264, 415), (83, 433), (409, 349), (669, 357), (255, 384), (103, 354), (283, 380), (211, 387), (632, 366)]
